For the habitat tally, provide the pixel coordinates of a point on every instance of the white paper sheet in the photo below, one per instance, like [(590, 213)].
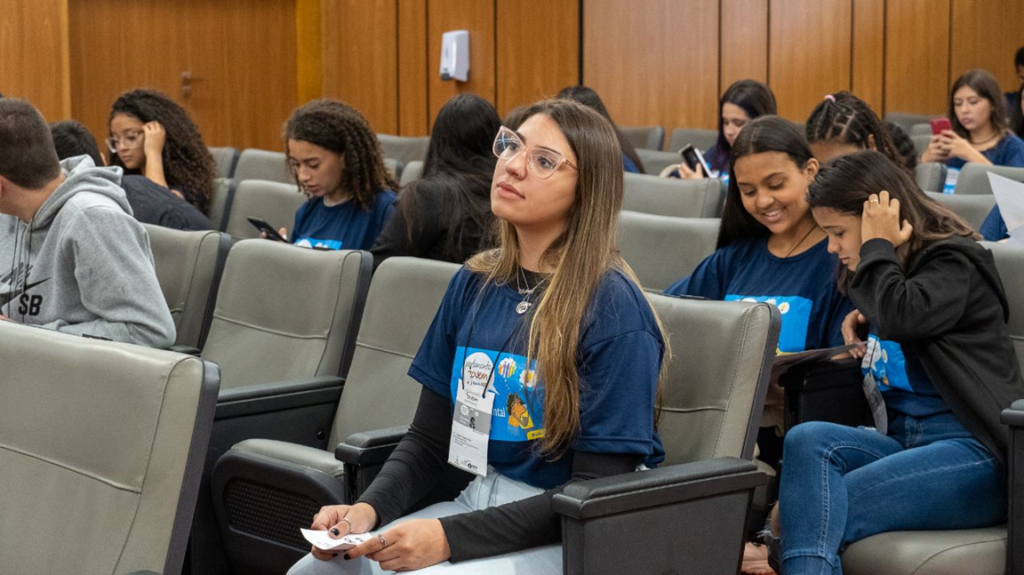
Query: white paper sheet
[(1010, 199), (322, 540)]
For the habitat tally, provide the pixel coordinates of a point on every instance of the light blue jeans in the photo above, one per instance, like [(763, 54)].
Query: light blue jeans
[(483, 492), (842, 484)]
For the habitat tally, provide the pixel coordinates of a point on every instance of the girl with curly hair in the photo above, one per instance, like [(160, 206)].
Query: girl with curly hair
[(153, 136), (335, 158)]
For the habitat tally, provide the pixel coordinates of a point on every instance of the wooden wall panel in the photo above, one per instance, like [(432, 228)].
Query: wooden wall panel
[(744, 46), (413, 104), (986, 34), (917, 56), (34, 55), (308, 50), (868, 46), (655, 63), (809, 53), (476, 16), (360, 58), (536, 57)]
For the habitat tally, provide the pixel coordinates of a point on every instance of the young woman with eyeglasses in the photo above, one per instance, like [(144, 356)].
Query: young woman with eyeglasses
[(152, 136), (528, 326)]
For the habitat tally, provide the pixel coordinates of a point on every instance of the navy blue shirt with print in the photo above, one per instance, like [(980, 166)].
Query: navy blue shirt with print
[(619, 357), (803, 287), (905, 386), (344, 226)]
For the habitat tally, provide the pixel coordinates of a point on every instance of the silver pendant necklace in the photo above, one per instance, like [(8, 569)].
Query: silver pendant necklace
[(524, 306)]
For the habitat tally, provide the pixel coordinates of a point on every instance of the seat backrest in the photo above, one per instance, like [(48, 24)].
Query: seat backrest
[(644, 137), (713, 396), (285, 312), (410, 173), (1010, 263), (271, 201), (254, 164), (100, 442), (973, 177), (220, 202), (921, 143), (672, 197), (973, 209), (404, 297), (930, 176), (393, 166), (405, 149), (907, 121), (700, 139), (188, 267), (225, 159), (655, 161), (922, 129), (661, 249)]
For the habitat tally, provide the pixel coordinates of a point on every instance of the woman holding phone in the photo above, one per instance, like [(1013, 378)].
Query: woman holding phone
[(529, 326)]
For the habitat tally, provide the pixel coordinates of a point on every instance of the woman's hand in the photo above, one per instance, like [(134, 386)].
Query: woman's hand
[(937, 151), (408, 546), (961, 148), (684, 172), (339, 521), (881, 220), (155, 136), (853, 326)]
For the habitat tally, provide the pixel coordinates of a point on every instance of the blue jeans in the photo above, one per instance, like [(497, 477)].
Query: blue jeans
[(841, 484)]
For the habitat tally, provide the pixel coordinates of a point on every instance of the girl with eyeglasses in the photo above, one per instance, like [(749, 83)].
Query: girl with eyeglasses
[(153, 136), (551, 329)]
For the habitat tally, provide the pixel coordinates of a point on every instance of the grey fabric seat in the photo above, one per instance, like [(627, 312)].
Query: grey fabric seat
[(921, 142), (394, 167), (663, 249), (650, 194), (907, 121), (271, 201), (922, 129), (220, 202), (255, 164), (405, 149), (188, 267), (930, 176), (225, 159), (410, 173), (286, 313), (101, 448), (700, 139), (972, 208), (264, 490), (973, 178), (654, 161), (1010, 263), (644, 137)]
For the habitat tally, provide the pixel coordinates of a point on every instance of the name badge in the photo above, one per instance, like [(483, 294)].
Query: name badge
[(471, 422)]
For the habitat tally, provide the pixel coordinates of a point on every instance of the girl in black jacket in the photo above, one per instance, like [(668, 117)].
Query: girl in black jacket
[(941, 356)]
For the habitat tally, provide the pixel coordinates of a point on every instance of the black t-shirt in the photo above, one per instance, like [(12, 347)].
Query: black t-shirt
[(155, 204)]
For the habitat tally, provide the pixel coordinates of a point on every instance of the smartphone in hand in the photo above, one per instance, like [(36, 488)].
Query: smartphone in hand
[(695, 160), (940, 125), (267, 229)]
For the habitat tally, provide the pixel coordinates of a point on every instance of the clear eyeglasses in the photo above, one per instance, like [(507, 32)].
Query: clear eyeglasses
[(130, 140), (543, 163)]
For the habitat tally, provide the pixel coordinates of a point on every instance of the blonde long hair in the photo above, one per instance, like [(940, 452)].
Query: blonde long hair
[(581, 255)]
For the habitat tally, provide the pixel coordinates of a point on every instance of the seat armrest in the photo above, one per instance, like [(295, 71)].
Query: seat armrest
[(290, 453), (656, 487), (147, 572), (185, 349), (1013, 417), (264, 397), (364, 454)]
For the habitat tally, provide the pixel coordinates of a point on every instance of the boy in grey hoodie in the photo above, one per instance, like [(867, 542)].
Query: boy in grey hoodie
[(72, 257)]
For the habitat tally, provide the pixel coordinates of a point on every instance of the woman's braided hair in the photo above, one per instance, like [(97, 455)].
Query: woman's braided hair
[(341, 129), (188, 165), (845, 118)]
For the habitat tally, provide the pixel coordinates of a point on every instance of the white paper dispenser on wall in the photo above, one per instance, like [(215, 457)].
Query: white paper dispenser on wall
[(455, 55)]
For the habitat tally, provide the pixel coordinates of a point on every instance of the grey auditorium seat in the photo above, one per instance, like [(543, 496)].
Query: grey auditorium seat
[(663, 249), (220, 202), (673, 197), (188, 267), (410, 173), (654, 161), (921, 142), (922, 129), (264, 490), (700, 139), (973, 178), (907, 121), (255, 164), (644, 137), (225, 159), (1010, 263), (405, 149), (930, 176), (101, 448), (394, 167), (271, 201), (972, 208), (690, 514)]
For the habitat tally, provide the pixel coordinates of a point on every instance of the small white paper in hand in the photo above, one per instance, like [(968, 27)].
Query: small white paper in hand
[(1010, 199), (322, 539)]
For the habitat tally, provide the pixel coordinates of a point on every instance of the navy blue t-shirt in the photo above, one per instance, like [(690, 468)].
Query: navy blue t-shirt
[(619, 358), (629, 165), (803, 287), (344, 226), (1008, 152), (905, 385)]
